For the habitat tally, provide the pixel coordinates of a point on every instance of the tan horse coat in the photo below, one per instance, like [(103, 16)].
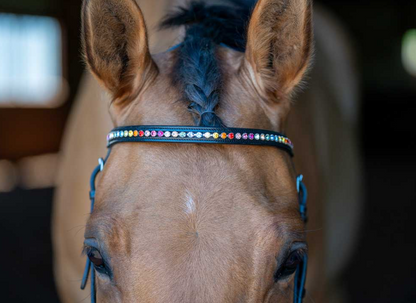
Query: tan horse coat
[(322, 126)]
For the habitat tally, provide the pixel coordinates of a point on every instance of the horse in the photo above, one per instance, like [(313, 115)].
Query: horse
[(194, 223)]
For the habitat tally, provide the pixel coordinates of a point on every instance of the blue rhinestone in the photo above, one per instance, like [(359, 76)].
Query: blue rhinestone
[(267, 137), (271, 137), (182, 135)]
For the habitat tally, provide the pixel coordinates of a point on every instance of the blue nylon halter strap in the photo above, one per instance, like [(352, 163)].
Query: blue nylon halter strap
[(201, 135), (300, 276), (89, 266)]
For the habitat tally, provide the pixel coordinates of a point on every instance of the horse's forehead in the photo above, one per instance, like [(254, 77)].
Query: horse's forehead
[(194, 189), (198, 171)]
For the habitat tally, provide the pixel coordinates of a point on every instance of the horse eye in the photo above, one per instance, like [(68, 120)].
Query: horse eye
[(290, 265), (95, 257)]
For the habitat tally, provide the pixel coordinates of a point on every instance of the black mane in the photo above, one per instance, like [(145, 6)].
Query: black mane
[(197, 69)]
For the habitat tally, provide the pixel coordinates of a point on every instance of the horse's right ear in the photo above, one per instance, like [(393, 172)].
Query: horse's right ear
[(115, 45), (279, 45)]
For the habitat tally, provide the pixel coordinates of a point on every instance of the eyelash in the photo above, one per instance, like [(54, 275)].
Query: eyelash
[(104, 269), (283, 272), (86, 250)]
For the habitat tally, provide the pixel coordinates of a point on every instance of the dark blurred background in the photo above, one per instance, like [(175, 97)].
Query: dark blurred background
[(32, 123)]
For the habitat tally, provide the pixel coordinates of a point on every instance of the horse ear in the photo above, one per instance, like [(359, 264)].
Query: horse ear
[(115, 45), (279, 45)]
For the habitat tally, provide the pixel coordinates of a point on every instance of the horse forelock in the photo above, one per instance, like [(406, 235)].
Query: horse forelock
[(197, 70)]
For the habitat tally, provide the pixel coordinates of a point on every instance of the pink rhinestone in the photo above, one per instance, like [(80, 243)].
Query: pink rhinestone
[(251, 136), (238, 136), (245, 136), (153, 133), (160, 133)]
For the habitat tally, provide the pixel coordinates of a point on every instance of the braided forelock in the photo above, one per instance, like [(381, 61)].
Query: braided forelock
[(200, 74), (197, 68)]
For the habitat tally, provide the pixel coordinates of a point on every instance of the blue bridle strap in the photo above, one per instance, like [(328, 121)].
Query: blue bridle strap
[(300, 276), (300, 280), (89, 267), (303, 196)]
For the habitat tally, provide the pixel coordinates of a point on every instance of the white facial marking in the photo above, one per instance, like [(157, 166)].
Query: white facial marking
[(190, 204)]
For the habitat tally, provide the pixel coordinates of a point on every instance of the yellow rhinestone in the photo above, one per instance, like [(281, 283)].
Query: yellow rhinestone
[(215, 135), (130, 133)]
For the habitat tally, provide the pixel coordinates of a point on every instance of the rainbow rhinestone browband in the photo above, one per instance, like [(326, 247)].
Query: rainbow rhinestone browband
[(199, 134)]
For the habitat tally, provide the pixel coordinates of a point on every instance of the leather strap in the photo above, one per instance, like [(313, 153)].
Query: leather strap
[(197, 134)]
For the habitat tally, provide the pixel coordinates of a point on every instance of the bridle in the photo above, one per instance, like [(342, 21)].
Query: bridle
[(201, 135)]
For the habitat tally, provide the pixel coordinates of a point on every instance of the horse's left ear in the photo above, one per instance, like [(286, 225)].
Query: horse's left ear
[(279, 45), (115, 45)]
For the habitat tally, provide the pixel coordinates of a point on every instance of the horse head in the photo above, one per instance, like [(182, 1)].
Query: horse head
[(198, 222)]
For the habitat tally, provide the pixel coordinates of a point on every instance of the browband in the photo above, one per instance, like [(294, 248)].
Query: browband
[(199, 134)]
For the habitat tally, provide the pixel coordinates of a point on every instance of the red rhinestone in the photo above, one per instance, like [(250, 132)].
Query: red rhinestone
[(141, 133), (231, 136)]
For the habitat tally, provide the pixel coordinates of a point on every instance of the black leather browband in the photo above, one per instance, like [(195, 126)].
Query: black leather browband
[(198, 134)]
